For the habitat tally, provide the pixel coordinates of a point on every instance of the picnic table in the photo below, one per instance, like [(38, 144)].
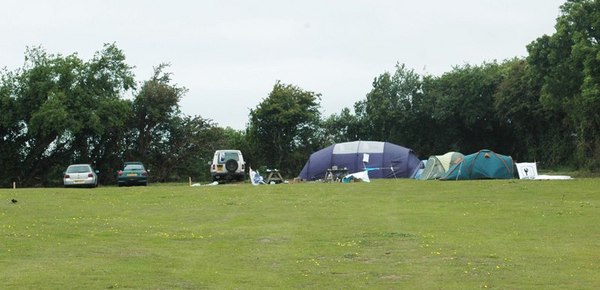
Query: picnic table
[(274, 176)]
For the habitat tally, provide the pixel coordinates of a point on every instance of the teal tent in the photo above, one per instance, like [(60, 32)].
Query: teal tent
[(484, 164)]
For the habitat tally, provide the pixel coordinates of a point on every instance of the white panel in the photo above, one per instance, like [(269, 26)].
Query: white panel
[(345, 148), (370, 147), (358, 147)]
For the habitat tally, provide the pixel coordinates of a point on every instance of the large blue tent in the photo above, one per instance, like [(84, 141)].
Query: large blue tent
[(384, 160)]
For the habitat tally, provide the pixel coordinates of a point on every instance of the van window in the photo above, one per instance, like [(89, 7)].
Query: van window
[(224, 156)]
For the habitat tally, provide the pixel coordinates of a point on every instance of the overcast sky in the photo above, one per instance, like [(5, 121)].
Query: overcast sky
[(230, 53)]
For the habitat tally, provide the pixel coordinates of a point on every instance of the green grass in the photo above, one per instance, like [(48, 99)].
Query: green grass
[(388, 234)]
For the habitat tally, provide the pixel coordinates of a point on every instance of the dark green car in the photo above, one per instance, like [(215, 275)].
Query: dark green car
[(133, 173)]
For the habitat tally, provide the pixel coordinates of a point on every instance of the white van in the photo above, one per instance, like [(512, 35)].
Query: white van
[(228, 165)]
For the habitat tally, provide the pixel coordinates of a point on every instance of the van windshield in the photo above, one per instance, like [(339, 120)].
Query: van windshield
[(224, 156)]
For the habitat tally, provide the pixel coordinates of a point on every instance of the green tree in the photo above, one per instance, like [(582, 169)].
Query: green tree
[(388, 107), (463, 108), (58, 101), (344, 127), (12, 130), (186, 150), (60, 109), (155, 115), (568, 66), (103, 83), (283, 128), (527, 123)]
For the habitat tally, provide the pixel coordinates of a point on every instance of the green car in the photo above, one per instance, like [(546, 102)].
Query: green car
[(133, 173)]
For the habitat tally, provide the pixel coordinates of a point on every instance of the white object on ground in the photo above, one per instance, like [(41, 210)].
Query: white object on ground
[(528, 170), (255, 178), (362, 175)]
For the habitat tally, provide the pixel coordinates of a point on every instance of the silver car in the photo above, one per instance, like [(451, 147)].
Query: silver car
[(80, 175)]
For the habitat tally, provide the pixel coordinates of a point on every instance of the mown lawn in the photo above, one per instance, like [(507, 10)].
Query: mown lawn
[(388, 234)]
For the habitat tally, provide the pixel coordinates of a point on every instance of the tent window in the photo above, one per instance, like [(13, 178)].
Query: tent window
[(358, 147)]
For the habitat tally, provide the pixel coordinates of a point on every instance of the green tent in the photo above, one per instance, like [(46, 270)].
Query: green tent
[(484, 164), (437, 165)]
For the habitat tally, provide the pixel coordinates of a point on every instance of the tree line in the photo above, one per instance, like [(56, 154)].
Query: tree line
[(57, 110)]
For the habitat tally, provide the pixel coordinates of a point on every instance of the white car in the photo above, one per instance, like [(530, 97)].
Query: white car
[(80, 175), (228, 165)]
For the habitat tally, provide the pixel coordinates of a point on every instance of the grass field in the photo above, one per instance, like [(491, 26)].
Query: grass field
[(388, 234)]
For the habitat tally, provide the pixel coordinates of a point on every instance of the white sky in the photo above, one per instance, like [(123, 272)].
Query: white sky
[(230, 53)]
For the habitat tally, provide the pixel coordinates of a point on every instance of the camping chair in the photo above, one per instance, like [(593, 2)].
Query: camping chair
[(255, 177)]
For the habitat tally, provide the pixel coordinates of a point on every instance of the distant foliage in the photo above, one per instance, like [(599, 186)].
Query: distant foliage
[(567, 66), (542, 108), (57, 110), (284, 128)]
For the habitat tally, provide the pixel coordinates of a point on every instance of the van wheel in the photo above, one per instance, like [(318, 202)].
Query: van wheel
[(231, 165)]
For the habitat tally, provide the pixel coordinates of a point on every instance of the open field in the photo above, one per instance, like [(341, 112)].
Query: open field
[(389, 234)]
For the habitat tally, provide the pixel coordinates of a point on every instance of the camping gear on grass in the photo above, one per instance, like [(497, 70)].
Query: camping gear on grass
[(255, 177), (361, 175), (438, 165), (390, 160), (484, 164)]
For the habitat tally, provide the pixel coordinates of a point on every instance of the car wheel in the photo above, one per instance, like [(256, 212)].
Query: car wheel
[(231, 165)]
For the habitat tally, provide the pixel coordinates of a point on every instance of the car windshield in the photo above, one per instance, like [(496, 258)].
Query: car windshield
[(134, 167), (78, 169), (224, 156)]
